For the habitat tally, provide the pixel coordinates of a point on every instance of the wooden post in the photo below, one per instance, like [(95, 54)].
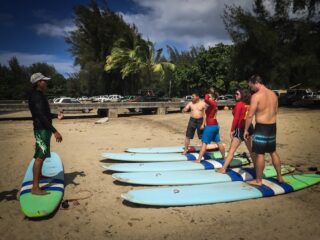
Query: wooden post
[(113, 113), (161, 110)]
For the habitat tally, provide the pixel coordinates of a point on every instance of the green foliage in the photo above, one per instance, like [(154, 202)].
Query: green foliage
[(200, 68), (15, 80), (281, 44), (98, 28), (137, 57)]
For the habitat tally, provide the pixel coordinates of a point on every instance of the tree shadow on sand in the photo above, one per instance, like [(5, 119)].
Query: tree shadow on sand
[(9, 195)]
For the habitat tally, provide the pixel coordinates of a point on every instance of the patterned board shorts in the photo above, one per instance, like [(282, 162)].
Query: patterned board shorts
[(42, 143), (264, 138)]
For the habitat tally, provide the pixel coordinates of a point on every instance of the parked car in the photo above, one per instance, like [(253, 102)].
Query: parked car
[(83, 98), (68, 100), (115, 98), (229, 96), (104, 98), (144, 99), (127, 98), (293, 95), (222, 97), (188, 98)]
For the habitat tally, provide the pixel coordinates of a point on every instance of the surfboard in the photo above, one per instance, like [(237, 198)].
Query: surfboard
[(196, 177), (219, 192), (171, 149), (174, 166), (36, 205), (165, 157)]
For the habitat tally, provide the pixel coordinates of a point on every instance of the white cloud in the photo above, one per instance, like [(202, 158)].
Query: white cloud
[(189, 22), (55, 28), (62, 66)]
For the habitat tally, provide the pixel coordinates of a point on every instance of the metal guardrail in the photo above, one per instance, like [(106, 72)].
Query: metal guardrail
[(108, 105), (107, 109)]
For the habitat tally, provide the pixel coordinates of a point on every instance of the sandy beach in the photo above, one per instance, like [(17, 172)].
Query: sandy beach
[(103, 215)]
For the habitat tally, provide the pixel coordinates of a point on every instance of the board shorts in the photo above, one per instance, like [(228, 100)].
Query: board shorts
[(264, 138), (42, 143), (239, 133), (211, 134), (193, 125)]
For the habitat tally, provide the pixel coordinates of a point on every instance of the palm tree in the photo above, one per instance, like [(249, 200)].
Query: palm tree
[(136, 56)]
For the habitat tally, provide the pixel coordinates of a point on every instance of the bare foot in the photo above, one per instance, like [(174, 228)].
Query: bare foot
[(39, 192), (280, 179), (254, 182), (221, 170), (197, 161), (185, 152)]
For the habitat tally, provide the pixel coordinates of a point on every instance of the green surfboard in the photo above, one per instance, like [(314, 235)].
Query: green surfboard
[(40, 206)]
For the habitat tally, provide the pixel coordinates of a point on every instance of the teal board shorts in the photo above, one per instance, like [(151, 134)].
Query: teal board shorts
[(43, 138)]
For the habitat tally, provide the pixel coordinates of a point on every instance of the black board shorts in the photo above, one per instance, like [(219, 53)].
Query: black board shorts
[(264, 138), (193, 125), (239, 132)]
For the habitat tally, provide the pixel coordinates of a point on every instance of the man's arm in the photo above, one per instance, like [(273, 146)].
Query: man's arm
[(252, 111), (187, 108), (204, 116)]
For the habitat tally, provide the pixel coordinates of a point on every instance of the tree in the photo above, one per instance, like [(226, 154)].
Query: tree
[(282, 44), (98, 28), (138, 57)]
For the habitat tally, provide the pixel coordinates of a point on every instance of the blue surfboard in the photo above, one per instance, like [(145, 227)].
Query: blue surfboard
[(218, 192), (174, 166), (171, 149), (195, 177), (165, 157), (43, 205)]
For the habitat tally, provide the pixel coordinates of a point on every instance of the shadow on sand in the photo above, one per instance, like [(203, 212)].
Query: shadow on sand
[(70, 177), (11, 195)]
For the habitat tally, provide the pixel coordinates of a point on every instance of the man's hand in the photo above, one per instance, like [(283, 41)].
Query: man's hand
[(246, 135), (202, 126), (231, 134), (58, 136), (60, 115)]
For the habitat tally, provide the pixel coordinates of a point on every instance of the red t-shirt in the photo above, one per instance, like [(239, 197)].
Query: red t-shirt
[(211, 110), (239, 112)]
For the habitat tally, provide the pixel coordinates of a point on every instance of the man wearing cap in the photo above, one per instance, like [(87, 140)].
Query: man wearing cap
[(42, 125)]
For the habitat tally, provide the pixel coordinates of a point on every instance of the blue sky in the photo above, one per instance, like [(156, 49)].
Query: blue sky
[(34, 30)]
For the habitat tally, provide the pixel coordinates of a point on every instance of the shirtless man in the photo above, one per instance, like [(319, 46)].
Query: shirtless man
[(264, 106), (196, 121)]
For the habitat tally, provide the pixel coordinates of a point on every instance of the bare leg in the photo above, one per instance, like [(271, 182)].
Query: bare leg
[(186, 145), (202, 151), (37, 166), (235, 143), (222, 149), (252, 154), (277, 165), (259, 170)]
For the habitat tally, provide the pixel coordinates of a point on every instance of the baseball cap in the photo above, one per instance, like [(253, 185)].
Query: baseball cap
[(37, 77)]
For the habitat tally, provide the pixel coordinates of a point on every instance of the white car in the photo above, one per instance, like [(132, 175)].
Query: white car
[(115, 98), (83, 98), (68, 100), (104, 98), (188, 98)]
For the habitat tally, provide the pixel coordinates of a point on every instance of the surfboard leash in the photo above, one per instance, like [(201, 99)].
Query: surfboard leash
[(65, 203)]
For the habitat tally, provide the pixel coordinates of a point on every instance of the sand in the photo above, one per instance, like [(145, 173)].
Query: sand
[(105, 216)]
